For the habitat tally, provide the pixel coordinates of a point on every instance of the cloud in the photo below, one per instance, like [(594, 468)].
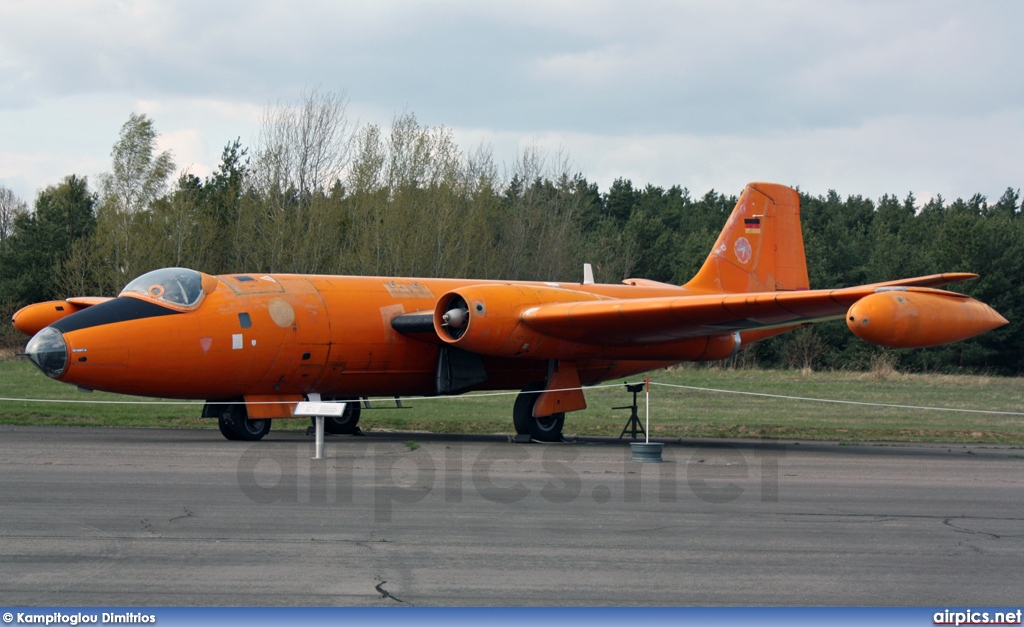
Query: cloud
[(28, 173), (647, 77), (890, 155), (75, 135)]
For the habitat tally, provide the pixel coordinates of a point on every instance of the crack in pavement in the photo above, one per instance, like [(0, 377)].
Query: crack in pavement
[(949, 523), (385, 594), (187, 514)]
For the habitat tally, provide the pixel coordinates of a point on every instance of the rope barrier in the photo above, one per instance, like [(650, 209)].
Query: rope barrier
[(828, 400), (371, 399), (515, 392)]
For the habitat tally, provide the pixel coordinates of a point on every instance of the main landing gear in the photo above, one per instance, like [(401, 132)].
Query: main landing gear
[(234, 422), (546, 429)]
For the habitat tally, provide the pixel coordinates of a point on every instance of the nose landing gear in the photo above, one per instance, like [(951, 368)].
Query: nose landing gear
[(234, 423)]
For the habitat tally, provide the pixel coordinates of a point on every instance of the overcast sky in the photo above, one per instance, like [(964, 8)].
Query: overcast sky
[(860, 97)]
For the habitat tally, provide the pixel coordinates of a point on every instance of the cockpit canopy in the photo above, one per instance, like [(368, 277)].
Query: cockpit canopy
[(177, 288)]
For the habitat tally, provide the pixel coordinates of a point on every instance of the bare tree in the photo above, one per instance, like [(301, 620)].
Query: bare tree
[(540, 228), (302, 153), (10, 208), (304, 148), (803, 349), (417, 205)]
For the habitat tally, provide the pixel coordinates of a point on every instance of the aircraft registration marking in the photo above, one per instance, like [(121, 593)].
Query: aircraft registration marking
[(408, 290)]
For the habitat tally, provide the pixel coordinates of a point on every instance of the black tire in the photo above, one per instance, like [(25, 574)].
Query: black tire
[(227, 428), (547, 429), (345, 424), (235, 425)]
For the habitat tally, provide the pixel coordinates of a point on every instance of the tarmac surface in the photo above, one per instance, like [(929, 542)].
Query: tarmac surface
[(152, 517)]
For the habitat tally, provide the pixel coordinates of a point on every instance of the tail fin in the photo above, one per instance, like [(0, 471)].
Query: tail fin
[(761, 248)]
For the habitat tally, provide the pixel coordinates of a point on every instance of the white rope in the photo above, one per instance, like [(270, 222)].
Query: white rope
[(91, 402), (367, 399), (828, 400), (514, 392)]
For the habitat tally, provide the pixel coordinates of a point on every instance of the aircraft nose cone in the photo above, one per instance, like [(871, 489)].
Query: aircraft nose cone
[(48, 351)]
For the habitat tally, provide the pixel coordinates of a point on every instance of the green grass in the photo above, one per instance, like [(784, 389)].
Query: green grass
[(19, 379), (674, 412)]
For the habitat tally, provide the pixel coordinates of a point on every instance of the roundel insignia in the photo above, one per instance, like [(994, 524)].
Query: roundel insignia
[(742, 250)]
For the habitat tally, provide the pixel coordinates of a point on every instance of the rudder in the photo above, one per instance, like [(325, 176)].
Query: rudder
[(761, 248)]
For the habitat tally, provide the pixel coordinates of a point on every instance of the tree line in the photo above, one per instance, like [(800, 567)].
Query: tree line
[(318, 194)]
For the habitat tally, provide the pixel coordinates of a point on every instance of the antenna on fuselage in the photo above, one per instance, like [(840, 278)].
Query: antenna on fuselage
[(588, 274)]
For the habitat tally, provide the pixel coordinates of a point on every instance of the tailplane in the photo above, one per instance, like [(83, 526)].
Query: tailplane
[(761, 248)]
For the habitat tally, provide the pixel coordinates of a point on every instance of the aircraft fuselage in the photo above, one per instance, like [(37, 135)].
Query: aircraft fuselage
[(291, 335)]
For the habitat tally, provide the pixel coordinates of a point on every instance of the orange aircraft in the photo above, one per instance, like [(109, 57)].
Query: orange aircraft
[(254, 345)]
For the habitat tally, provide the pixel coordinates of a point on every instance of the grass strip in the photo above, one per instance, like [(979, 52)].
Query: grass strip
[(674, 412)]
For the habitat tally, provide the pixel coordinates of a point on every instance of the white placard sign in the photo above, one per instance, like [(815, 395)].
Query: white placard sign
[(307, 408)]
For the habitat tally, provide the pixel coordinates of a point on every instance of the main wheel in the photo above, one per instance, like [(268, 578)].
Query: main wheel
[(546, 429), (345, 424), (235, 424)]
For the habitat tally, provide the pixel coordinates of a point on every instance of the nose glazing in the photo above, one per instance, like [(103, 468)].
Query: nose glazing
[(48, 351)]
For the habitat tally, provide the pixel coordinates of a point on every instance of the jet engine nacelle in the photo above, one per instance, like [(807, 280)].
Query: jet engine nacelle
[(488, 320), (485, 319), (919, 317)]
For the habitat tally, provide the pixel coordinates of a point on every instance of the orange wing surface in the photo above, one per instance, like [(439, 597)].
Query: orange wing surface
[(667, 319)]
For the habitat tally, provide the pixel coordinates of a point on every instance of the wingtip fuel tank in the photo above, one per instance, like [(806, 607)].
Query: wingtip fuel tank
[(919, 317)]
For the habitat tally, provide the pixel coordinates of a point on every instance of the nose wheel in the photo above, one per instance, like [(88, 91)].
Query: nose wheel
[(545, 429), (234, 424), (345, 424)]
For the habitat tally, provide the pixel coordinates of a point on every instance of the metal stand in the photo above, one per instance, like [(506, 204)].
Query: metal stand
[(647, 451), (633, 424), (313, 407), (398, 404), (319, 452)]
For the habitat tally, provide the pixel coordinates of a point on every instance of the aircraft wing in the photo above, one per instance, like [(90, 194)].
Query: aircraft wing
[(672, 318), (932, 280)]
